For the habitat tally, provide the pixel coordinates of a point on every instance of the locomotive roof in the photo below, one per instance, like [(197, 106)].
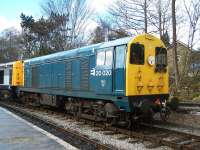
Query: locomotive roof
[(82, 51), (6, 64)]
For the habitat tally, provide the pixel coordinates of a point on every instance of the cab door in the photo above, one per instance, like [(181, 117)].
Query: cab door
[(119, 70), (103, 71)]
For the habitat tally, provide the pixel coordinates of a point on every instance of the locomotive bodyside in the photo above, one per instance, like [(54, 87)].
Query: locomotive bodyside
[(117, 76), (5, 79), (6, 74), (74, 73), (11, 78)]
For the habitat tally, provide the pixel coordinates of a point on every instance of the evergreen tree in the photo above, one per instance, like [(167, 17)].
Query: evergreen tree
[(98, 35)]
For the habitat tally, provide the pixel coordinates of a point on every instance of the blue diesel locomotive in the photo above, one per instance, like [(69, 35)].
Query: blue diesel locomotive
[(116, 81)]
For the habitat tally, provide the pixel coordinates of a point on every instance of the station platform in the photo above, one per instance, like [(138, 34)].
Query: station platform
[(18, 134)]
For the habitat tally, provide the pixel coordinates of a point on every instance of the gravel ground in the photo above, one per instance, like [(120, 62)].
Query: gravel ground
[(192, 119), (189, 108), (100, 136)]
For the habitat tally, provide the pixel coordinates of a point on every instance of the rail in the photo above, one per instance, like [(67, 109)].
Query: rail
[(156, 134)]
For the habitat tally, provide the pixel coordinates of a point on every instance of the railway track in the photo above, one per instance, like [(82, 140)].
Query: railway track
[(84, 142), (188, 107), (189, 104), (155, 134)]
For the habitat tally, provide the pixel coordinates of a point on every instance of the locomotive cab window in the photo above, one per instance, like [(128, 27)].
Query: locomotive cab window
[(104, 58), (1, 76), (161, 59), (120, 56), (137, 54), (109, 57), (100, 58)]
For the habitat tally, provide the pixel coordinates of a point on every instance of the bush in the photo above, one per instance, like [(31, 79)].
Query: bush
[(195, 95), (174, 103)]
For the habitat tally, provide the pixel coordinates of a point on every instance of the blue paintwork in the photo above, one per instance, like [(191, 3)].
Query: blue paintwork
[(103, 83), (28, 76), (76, 75), (51, 75), (119, 70), (92, 64)]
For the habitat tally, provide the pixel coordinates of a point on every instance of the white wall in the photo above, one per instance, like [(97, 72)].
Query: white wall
[(6, 76)]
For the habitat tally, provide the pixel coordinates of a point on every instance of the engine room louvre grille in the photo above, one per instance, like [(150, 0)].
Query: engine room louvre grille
[(34, 77), (69, 76), (25, 79), (85, 74)]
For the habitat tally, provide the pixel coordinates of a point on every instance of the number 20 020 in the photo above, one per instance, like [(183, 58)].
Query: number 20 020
[(103, 73)]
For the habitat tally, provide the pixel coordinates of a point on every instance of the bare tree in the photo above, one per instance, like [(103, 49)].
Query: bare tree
[(175, 61), (193, 14), (77, 14), (131, 15), (10, 45), (145, 15), (159, 16), (105, 31)]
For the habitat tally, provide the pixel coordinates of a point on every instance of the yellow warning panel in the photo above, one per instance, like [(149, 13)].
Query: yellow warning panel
[(141, 76), (18, 74)]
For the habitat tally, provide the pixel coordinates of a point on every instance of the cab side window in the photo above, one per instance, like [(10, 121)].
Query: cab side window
[(105, 58), (100, 58), (120, 56), (109, 57), (137, 54)]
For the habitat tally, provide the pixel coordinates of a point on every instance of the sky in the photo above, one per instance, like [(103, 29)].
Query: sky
[(10, 10)]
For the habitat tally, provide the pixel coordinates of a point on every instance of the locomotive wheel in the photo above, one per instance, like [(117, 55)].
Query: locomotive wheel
[(5, 95)]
